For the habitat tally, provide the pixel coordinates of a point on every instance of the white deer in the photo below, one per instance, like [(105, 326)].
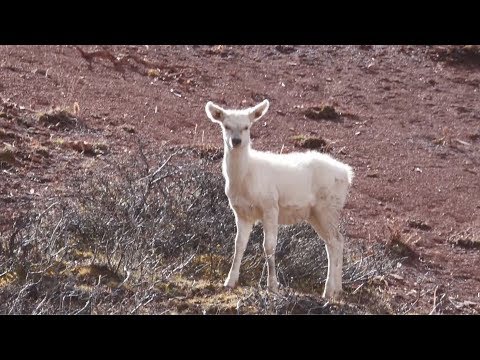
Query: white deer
[(280, 189)]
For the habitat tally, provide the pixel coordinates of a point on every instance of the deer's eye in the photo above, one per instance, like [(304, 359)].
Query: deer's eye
[(228, 128), (245, 128)]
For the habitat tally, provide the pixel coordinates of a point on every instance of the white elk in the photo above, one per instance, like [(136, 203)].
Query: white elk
[(280, 189)]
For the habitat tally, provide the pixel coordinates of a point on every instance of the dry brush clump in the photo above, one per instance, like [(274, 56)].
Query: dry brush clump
[(466, 55), (125, 232)]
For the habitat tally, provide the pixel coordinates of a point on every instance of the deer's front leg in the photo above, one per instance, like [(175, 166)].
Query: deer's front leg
[(244, 229), (270, 231)]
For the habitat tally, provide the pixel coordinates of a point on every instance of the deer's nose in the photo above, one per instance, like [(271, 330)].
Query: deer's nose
[(236, 141)]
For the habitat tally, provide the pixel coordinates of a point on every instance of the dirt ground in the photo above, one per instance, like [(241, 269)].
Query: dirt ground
[(406, 118)]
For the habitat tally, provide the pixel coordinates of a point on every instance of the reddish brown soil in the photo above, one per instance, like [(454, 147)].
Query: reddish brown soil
[(409, 124)]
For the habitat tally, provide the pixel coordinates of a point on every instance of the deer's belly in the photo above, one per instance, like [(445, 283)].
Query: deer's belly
[(287, 214), (247, 211), (290, 215)]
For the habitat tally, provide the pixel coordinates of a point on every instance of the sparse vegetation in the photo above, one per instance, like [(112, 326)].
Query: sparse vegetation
[(136, 239), (466, 239), (312, 142), (202, 151), (466, 55), (153, 73), (7, 156), (86, 148), (324, 112), (419, 224), (58, 119), (129, 128), (398, 244)]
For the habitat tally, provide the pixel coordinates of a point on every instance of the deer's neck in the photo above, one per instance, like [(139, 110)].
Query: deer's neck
[(235, 165)]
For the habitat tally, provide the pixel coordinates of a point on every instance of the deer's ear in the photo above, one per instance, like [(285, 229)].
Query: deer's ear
[(258, 111), (214, 112)]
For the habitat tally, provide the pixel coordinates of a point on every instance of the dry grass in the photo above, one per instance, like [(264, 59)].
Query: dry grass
[(153, 73)]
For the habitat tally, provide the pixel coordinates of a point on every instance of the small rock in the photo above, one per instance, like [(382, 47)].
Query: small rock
[(175, 93)]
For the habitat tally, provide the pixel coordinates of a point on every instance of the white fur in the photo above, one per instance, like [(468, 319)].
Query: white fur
[(280, 189)]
